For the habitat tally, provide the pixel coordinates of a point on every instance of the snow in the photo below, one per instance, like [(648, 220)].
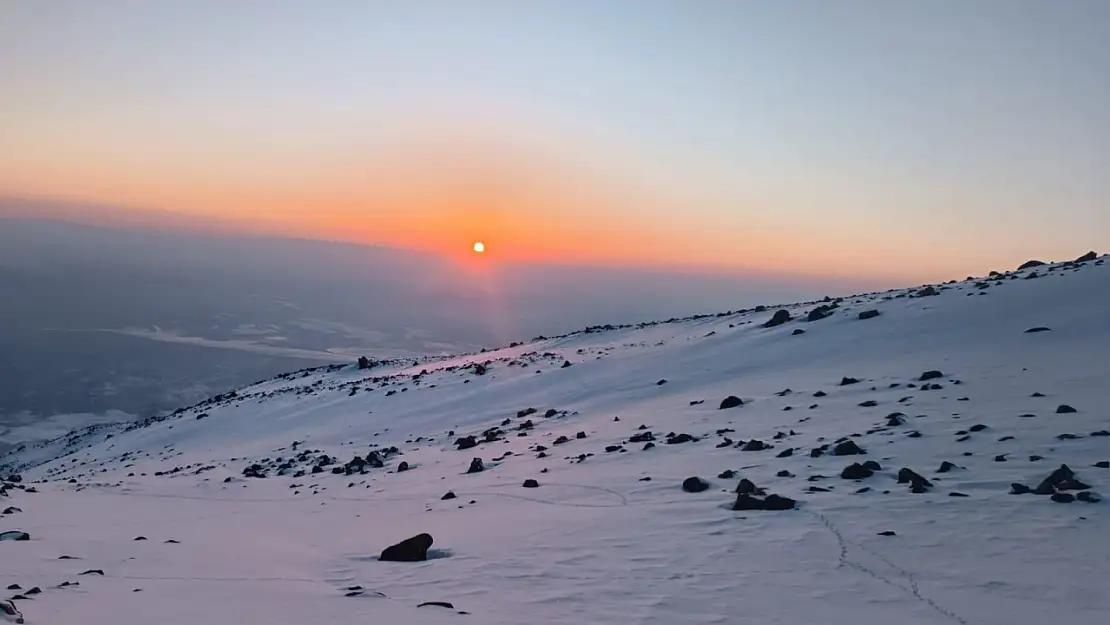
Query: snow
[(595, 543)]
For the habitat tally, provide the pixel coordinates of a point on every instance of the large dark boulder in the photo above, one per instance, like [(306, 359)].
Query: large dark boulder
[(1089, 256), (413, 549), (780, 317), (695, 485), (15, 535), (476, 466), (856, 471), (731, 401), (1029, 264), (847, 448)]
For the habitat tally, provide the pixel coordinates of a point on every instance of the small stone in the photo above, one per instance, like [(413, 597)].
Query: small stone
[(887, 533), (1019, 489), (1063, 497), (1065, 409), (529, 483)]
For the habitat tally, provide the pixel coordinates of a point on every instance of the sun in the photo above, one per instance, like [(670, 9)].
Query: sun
[(479, 247)]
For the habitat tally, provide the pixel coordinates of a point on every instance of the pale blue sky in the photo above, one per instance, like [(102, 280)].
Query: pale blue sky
[(978, 131)]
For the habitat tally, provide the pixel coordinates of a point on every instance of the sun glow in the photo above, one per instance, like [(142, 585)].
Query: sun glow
[(479, 247)]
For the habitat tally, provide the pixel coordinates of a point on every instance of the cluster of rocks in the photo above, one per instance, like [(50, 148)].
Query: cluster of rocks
[(1055, 486)]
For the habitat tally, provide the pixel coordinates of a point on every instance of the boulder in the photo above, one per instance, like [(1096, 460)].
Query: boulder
[(731, 401), (780, 317), (695, 485), (413, 549)]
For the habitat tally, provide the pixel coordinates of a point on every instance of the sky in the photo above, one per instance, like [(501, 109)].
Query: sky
[(883, 139)]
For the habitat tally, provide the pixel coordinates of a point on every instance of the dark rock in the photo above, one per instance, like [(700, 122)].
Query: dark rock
[(680, 438), (437, 604), (648, 446), (871, 464), (746, 487), (93, 572), (1089, 256), (856, 471), (956, 494), (1037, 395), (566, 363), (727, 474), (402, 467), (777, 502), (928, 291), (466, 442), (871, 403), (978, 427), (1019, 489), (14, 535), (918, 484), (613, 448), (823, 393), (1029, 264), (869, 314), (846, 381), (930, 375), (448, 495), (784, 473), (1065, 409), (1103, 464), (1063, 497), (945, 467), (476, 466), (695, 485), (797, 331), (531, 484), (754, 445), (580, 435), (786, 453), (413, 549), (1037, 330), (847, 448), (780, 317), (1088, 497), (887, 533), (731, 401)]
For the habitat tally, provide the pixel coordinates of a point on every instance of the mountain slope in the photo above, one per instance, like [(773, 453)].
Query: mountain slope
[(598, 541)]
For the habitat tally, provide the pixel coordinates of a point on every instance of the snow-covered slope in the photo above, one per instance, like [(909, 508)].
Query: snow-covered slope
[(240, 527)]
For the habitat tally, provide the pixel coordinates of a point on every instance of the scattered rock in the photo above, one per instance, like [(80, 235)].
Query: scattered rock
[(847, 448), (1037, 330), (945, 467), (437, 604), (476, 466), (731, 401), (869, 314), (930, 375), (1065, 409), (531, 484), (727, 474), (1019, 489), (15, 535), (1088, 497), (780, 317), (771, 502), (856, 471), (413, 549), (1063, 497), (887, 533), (695, 485), (846, 381)]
